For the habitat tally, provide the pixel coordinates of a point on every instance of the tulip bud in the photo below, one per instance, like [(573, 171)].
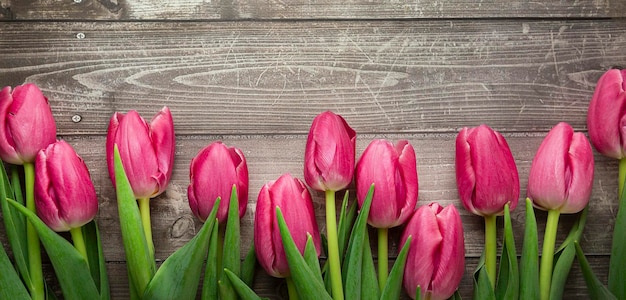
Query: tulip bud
[(392, 169), (330, 153), (213, 172), (436, 258), (486, 174), (561, 174), (146, 150), (26, 124), (296, 205), (65, 197), (606, 118)]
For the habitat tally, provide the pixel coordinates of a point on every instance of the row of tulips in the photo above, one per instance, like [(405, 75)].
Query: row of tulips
[(59, 196)]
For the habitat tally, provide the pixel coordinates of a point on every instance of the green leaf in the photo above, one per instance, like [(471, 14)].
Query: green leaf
[(140, 266), (310, 256), (596, 290), (529, 263), (179, 275), (482, 284), (209, 286), (564, 257), (369, 279), (243, 290), (456, 296), (307, 284), (11, 286), (248, 266), (617, 271), (346, 221), (231, 251), (508, 276), (95, 259), (14, 223), (69, 265), (393, 287), (353, 263)]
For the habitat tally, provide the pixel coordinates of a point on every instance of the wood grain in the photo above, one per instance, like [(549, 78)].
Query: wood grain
[(272, 77), (228, 10)]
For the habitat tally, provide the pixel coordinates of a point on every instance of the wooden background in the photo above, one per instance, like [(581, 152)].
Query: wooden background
[(255, 73)]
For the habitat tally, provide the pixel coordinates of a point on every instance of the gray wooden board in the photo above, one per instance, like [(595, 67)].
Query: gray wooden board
[(272, 77)]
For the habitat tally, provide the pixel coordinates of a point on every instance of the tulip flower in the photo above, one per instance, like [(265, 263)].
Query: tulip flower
[(560, 181), (606, 121), (487, 180), (436, 258), (294, 200), (329, 166), (147, 153), (65, 195), (213, 172), (27, 126), (392, 170)]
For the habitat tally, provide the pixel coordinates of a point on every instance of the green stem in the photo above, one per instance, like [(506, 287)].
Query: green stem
[(383, 257), (291, 288), (333, 246), (79, 242), (144, 210), (491, 248), (547, 255), (34, 248)]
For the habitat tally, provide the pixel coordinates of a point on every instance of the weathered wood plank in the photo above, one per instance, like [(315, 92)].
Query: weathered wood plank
[(274, 77), (300, 9)]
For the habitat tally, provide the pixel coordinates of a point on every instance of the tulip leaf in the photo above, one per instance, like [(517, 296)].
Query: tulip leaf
[(308, 286), (95, 255), (11, 286), (508, 276), (529, 263), (141, 267), (232, 245), (69, 265), (393, 287), (564, 257), (456, 296), (482, 285), (209, 285), (248, 266), (617, 271), (353, 263), (310, 256), (369, 279), (14, 222), (243, 290), (346, 221), (596, 290), (179, 275)]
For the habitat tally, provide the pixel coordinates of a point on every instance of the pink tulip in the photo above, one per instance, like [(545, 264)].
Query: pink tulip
[(147, 150), (26, 124), (486, 174), (296, 205), (436, 258), (330, 153), (606, 118), (64, 194), (561, 174), (393, 171), (213, 172)]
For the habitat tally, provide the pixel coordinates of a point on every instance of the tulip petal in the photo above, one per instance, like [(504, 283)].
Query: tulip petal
[(606, 110), (164, 143), (7, 146), (581, 164)]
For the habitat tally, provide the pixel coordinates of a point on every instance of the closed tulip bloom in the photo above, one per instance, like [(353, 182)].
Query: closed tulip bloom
[(294, 200), (436, 258), (561, 174), (64, 193), (26, 124), (146, 150), (606, 118), (330, 153), (212, 174), (392, 169), (486, 174)]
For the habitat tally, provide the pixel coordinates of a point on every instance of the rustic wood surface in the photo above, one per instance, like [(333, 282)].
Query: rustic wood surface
[(254, 74)]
